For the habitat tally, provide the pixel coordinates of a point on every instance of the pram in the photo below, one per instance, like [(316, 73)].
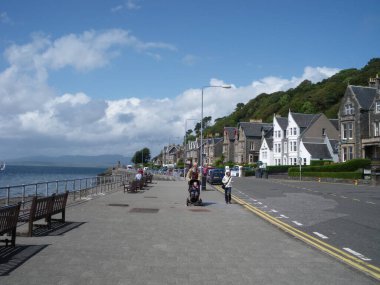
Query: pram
[(194, 193)]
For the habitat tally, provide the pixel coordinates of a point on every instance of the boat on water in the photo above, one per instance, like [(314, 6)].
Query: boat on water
[(2, 165)]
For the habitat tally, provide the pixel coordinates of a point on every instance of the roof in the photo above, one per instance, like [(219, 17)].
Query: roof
[(335, 123), (269, 142), (283, 122), (364, 95), (252, 129), (304, 120), (334, 145), (230, 132), (318, 151)]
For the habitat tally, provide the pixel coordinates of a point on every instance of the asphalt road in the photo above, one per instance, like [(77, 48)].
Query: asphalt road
[(342, 215)]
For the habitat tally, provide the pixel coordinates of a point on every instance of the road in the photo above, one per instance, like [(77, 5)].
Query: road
[(342, 215)]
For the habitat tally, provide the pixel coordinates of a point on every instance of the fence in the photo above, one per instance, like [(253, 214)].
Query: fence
[(78, 188)]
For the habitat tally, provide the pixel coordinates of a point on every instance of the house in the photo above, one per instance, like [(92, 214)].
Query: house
[(247, 143), (228, 143), (171, 154), (280, 146), (299, 139), (359, 122), (213, 149)]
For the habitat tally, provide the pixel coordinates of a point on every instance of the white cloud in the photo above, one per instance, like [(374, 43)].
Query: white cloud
[(34, 119), (190, 59), (4, 18), (129, 5)]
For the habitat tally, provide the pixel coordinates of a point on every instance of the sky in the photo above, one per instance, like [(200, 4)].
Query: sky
[(90, 77)]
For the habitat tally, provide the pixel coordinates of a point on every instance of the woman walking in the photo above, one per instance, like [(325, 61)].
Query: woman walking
[(227, 181)]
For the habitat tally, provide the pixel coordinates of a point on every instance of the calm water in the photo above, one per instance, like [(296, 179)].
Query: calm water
[(17, 175)]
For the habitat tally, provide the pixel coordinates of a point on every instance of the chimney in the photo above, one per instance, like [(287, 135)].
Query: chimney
[(375, 82), (255, 120)]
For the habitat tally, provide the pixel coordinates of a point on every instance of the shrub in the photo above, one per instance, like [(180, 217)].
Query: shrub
[(348, 166), (278, 168), (342, 175)]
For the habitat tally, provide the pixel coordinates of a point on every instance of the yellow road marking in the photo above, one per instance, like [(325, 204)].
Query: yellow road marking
[(353, 261)]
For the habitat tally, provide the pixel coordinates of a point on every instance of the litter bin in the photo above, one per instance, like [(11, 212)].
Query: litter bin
[(204, 182)]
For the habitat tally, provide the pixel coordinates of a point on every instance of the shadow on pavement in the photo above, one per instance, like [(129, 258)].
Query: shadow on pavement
[(13, 257)]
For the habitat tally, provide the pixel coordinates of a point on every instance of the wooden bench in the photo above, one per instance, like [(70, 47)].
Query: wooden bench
[(8, 222), (59, 205), (44, 208), (131, 186), (149, 178)]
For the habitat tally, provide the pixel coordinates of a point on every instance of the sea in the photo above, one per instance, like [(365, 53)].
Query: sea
[(15, 175)]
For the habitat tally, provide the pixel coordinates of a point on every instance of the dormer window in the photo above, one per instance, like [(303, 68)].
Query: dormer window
[(377, 107), (348, 109)]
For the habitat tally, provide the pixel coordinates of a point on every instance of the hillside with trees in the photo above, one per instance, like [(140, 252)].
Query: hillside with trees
[(322, 97)]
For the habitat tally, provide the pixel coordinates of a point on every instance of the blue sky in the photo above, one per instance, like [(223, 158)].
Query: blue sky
[(90, 77)]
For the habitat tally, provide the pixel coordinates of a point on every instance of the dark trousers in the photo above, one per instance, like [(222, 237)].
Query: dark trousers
[(227, 194)]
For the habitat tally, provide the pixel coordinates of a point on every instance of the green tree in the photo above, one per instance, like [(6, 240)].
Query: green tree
[(141, 156)]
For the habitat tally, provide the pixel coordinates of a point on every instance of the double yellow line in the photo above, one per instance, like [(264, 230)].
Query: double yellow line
[(352, 261)]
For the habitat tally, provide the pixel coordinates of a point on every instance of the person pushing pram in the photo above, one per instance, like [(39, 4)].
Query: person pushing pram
[(193, 178)]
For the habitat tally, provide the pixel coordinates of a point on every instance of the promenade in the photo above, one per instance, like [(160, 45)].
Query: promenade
[(151, 237)]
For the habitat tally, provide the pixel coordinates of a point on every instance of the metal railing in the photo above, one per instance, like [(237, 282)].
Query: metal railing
[(78, 188)]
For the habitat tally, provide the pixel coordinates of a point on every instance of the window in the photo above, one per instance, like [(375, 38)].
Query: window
[(347, 153), (251, 157), (347, 130), (285, 148), (348, 109), (294, 131), (251, 146), (350, 152), (304, 161), (323, 132), (264, 156), (376, 129), (377, 109)]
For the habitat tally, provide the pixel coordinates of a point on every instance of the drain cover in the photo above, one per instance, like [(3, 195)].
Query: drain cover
[(119, 205), (199, 210), (144, 210)]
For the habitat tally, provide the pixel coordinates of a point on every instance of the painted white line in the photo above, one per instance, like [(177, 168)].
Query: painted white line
[(297, 223), (86, 198), (285, 217), (368, 202), (333, 195), (273, 210), (320, 235), (259, 203), (357, 254), (253, 199), (344, 197), (356, 200)]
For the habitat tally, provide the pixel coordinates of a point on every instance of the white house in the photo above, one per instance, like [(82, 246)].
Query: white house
[(266, 151), (301, 138)]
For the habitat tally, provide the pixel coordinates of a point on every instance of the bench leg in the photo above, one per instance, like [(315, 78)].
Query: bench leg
[(13, 242), (30, 228), (63, 215)]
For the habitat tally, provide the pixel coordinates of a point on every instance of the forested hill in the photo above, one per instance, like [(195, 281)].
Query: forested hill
[(323, 97)]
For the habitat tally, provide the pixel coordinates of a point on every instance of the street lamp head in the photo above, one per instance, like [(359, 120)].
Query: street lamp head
[(226, 86)]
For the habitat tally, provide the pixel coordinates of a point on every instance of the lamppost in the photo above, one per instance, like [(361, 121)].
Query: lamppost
[(185, 146), (201, 154)]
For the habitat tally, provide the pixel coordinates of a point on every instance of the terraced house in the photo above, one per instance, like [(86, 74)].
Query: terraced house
[(248, 141), (300, 138), (359, 122)]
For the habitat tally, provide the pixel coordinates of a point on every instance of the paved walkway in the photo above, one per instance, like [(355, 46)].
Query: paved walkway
[(168, 244)]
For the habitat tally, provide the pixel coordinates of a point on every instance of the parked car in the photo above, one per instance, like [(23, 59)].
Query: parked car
[(215, 176), (235, 171)]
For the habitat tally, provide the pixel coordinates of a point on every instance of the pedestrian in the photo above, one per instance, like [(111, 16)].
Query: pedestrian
[(193, 173), (139, 175), (227, 181)]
